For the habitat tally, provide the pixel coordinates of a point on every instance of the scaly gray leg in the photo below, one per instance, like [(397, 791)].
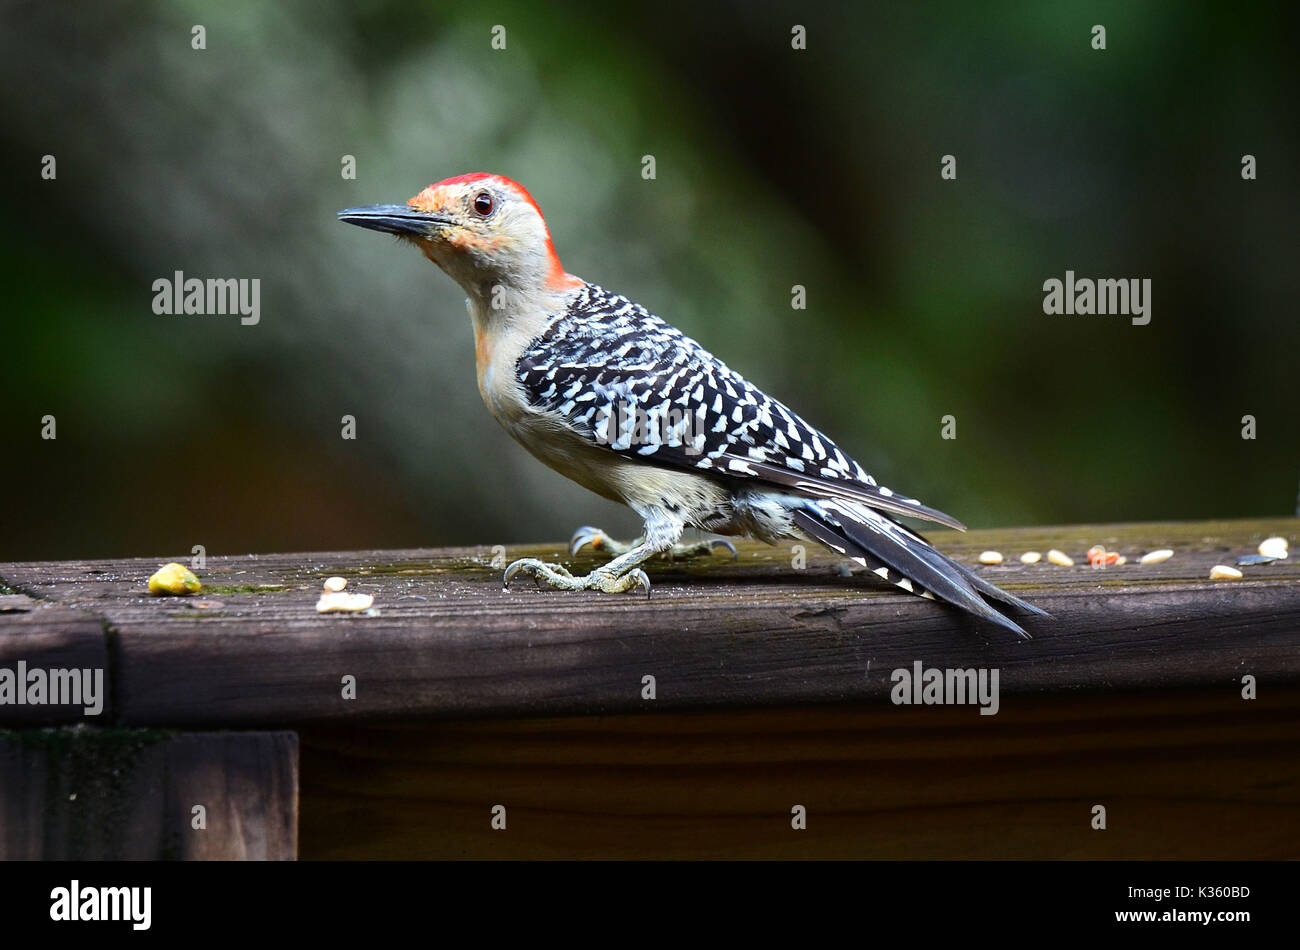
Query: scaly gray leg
[(600, 541), (624, 573)]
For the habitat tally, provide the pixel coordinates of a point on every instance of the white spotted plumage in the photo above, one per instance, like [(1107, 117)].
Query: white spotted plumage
[(605, 359)]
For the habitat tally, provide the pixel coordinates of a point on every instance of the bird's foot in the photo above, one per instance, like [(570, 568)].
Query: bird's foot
[(600, 541), (556, 575), (684, 552)]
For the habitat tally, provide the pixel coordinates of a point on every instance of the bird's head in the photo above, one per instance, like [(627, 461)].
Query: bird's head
[(484, 230)]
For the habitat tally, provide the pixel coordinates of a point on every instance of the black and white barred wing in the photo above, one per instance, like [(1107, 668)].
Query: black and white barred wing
[(628, 381)]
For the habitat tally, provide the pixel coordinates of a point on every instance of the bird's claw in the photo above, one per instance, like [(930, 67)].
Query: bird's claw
[(682, 552), (600, 541), (620, 583), (557, 575), (716, 543), (588, 535), (540, 570)]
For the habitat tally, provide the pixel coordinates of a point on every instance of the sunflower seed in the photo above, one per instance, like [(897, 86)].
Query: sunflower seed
[(1274, 547), (339, 602)]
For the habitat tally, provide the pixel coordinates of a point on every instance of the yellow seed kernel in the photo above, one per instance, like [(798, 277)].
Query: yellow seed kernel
[(174, 579)]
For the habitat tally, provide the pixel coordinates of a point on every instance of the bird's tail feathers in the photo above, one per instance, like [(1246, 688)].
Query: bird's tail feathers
[(989, 589), (896, 554)]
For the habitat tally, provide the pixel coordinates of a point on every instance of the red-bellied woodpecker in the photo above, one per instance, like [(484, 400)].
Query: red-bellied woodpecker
[(613, 397)]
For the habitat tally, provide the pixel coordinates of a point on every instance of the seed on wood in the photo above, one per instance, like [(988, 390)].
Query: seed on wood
[(991, 557), (339, 602), (1060, 557), (1155, 557), (335, 584), (1030, 557), (1274, 547), (1221, 572), (175, 579)]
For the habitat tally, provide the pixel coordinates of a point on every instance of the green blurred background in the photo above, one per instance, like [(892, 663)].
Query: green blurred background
[(775, 167)]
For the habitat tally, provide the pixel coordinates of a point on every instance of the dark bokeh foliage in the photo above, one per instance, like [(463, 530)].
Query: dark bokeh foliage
[(775, 167)]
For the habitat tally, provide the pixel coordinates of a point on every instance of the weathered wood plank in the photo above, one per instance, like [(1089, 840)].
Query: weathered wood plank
[(94, 794), (1182, 775), (447, 642), (47, 637)]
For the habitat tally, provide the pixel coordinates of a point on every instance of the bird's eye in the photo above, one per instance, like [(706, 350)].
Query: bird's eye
[(483, 203)]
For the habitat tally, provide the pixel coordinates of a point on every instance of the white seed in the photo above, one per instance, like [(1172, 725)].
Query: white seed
[(1060, 557), (1121, 560), (336, 584), (1155, 557), (1221, 572), (991, 557), (339, 602), (1030, 557), (1274, 547)]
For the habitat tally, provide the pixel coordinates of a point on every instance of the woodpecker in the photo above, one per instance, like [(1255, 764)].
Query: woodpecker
[(564, 366)]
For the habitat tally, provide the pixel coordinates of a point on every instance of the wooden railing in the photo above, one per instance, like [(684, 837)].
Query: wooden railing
[(688, 723)]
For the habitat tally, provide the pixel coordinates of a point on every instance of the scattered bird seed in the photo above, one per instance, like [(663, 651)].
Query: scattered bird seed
[(991, 557), (335, 584), (1156, 557), (1274, 547), (339, 602), (174, 579), (1221, 572), (1248, 559), (1030, 557), (1060, 557), (1098, 556)]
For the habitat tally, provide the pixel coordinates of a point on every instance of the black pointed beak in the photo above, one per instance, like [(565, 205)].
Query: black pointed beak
[(402, 220)]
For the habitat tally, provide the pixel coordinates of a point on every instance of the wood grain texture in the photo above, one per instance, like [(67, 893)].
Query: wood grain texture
[(1182, 775), (90, 794), (446, 642)]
